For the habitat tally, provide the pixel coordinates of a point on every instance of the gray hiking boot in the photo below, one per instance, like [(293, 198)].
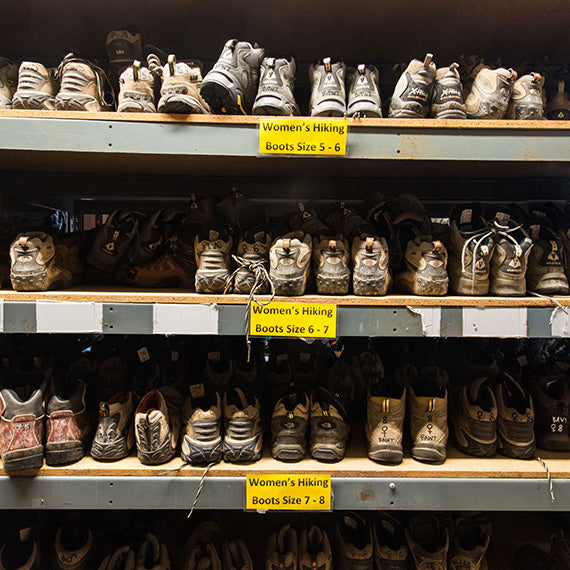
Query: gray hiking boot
[(314, 550), (371, 272), (8, 82), (390, 548), (180, 91), (487, 92), (230, 86), (157, 425), (512, 250), (115, 435), (428, 540), (385, 423), (471, 247), (329, 428), (515, 419), (473, 411), (328, 97), (353, 543), (202, 420), (289, 424), (37, 87), (276, 83), (289, 263), (363, 94), (136, 93), (413, 91), (527, 102), (212, 250), (82, 86), (243, 438), (447, 97), (282, 550), (469, 543), (330, 265), (427, 400)]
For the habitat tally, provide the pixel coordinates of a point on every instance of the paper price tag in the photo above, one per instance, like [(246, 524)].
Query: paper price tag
[(301, 320), (302, 136), (288, 492)]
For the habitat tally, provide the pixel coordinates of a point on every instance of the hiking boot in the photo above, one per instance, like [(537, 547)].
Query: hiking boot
[(289, 424), (230, 86), (180, 91), (330, 265), (152, 555), (471, 247), (527, 103), (447, 97), (37, 87), (202, 419), (314, 550), (515, 419), (512, 250), (386, 407), (175, 267), (82, 86), (282, 549), (370, 259), (21, 552), (276, 83), (487, 92), (427, 400), (558, 107), (413, 91), (289, 259), (390, 548), (115, 434), (546, 262), (212, 250), (67, 426), (328, 97), (122, 559), (428, 541), (252, 258), (157, 425), (363, 94), (236, 555), (21, 430), (468, 545), (473, 411), (74, 548), (122, 47), (551, 398), (353, 542), (136, 93), (329, 428), (34, 265), (243, 438), (8, 82)]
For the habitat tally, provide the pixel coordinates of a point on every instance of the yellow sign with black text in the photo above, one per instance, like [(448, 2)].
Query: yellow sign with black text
[(302, 136), (302, 320), (288, 492)]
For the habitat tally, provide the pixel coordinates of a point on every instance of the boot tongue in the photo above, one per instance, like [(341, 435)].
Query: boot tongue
[(214, 235), (474, 391)]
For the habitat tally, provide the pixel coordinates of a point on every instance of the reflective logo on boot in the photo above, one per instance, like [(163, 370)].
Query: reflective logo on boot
[(515, 263)]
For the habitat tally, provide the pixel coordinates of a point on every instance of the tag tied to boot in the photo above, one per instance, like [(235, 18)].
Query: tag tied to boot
[(307, 492), (285, 135), (301, 320)]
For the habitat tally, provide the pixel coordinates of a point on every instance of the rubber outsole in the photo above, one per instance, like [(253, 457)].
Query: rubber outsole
[(109, 451), (526, 451), (288, 452), (289, 287), (36, 101), (220, 96), (64, 453), (435, 453), (507, 287), (181, 105), (24, 459), (241, 452), (328, 453), (332, 285), (391, 455), (211, 282), (197, 453)]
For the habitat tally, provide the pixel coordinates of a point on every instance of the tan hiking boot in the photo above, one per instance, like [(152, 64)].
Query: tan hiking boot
[(212, 250), (180, 91), (527, 102), (371, 260), (558, 107), (427, 400), (331, 265), (82, 86), (8, 82), (34, 266), (385, 426), (37, 87), (136, 93), (488, 91)]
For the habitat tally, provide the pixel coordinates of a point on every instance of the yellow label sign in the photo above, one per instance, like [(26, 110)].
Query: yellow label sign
[(302, 136), (293, 319), (288, 492)]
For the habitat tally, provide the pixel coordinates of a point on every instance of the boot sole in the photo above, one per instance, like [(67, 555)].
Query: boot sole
[(288, 452), (524, 113), (527, 451), (435, 453), (181, 105), (222, 94), (451, 115), (241, 452), (64, 453), (65, 102), (427, 287), (328, 453), (328, 109), (332, 285), (369, 287), (476, 448), (34, 100), (363, 110), (201, 453), (293, 287), (551, 284), (162, 455), (211, 282), (467, 287), (392, 454), (24, 459), (275, 106), (132, 106), (109, 451), (508, 287)]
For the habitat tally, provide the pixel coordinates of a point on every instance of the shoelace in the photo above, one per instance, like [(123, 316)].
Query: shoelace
[(154, 65), (261, 274)]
